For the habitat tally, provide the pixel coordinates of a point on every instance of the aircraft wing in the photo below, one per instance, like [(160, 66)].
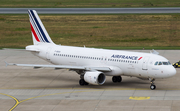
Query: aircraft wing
[(104, 69)]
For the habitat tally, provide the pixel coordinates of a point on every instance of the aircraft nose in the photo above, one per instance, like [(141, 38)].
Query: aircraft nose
[(172, 71)]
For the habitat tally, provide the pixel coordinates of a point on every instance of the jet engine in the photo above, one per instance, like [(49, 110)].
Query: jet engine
[(95, 77)]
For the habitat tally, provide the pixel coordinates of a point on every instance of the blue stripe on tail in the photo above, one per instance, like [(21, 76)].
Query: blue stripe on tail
[(34, 25), (39, 26)]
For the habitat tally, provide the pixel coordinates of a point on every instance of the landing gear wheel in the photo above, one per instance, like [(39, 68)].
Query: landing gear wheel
[(86, 83), (152, 87), (116, 79), (82, 82), (119, 78)]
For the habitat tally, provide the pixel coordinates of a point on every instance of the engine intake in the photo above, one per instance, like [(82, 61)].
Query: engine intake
[(95, 77)]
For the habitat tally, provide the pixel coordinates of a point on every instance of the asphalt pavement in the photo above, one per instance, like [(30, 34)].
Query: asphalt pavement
[(46, 89)]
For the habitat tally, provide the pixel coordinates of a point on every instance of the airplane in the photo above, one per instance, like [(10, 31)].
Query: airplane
[(92, 64)]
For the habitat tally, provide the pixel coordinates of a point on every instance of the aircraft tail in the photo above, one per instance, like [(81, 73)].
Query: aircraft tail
[(39, 33)]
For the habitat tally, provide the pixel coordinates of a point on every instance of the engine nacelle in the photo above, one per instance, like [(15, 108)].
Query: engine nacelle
[(95, 77)]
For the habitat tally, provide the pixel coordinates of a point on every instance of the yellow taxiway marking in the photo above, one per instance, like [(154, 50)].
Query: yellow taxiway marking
[(18, 102), (139, 98)]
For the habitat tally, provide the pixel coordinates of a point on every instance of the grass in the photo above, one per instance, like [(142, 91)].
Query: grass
[(102, 31), (88, 3)]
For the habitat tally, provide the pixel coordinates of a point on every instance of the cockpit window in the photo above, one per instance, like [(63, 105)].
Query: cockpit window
[(162, 63), (165, 63), (156, 63)]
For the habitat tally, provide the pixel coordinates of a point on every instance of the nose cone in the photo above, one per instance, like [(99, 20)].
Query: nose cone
[(172, 71)]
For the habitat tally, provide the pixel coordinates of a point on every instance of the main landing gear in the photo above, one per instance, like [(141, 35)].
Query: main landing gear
[(116, 79), (82, 82), (152, 87)]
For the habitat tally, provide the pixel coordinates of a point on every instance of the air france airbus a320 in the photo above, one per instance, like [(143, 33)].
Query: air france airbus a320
[(93, 65)]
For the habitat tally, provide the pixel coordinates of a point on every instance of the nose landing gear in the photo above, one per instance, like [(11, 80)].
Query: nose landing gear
[(152, 86)]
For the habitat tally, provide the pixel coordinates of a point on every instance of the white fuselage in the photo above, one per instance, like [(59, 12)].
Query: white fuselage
[(124, 63)]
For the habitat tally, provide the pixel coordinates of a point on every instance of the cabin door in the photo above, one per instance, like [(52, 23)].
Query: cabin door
[(48, 53), (145, 63)]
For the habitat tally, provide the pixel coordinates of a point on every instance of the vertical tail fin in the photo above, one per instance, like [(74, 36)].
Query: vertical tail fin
[(39, 33)]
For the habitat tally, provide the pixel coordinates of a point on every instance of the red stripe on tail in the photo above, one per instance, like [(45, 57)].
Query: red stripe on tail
[(34, 33), (140, 58)]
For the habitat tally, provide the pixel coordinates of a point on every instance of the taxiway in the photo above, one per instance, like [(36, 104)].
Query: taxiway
[(46, 89)]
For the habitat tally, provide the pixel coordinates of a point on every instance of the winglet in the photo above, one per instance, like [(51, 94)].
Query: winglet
[(9, 64), (6, 63), (154, 52)]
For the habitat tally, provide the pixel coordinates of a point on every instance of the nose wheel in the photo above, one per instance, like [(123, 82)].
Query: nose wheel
[(152, 86)]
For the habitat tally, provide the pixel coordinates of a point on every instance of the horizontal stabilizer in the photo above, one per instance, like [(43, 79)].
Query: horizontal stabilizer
[(14, 49)]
